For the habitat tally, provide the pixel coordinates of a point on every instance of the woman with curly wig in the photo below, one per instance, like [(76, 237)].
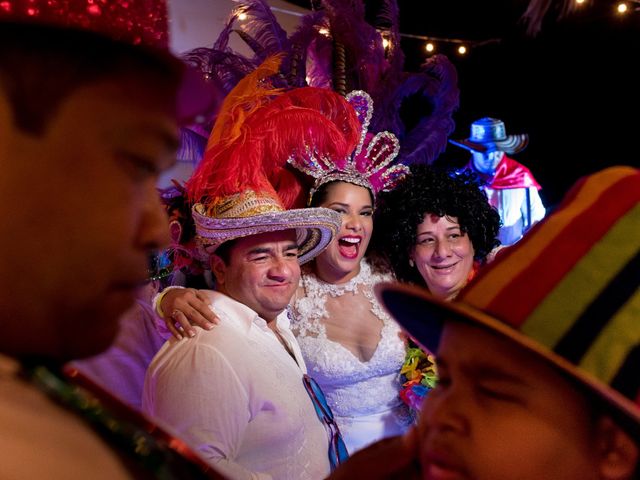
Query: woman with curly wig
[(436, 228)]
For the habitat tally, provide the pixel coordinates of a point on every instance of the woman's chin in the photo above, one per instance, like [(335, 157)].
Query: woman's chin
[(443, 291), (339, 268)]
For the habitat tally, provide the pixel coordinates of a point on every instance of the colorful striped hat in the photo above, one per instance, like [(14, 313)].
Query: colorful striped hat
[(568, 291)]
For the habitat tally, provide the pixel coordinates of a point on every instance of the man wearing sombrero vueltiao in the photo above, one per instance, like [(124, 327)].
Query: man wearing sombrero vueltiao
[(510, 186), (239, 392), (538, 358)]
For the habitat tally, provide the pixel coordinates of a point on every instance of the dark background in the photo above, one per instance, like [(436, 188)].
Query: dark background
[(574, 87)]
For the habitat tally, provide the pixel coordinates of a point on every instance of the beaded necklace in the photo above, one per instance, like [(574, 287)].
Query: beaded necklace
[(146, 448)]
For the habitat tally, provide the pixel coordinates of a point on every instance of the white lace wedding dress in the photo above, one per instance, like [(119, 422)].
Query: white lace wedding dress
[(361, 384)]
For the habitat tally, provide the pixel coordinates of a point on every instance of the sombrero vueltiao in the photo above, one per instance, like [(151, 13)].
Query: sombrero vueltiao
[(237, 189), (250, 213), (489, 134), (569, 292)]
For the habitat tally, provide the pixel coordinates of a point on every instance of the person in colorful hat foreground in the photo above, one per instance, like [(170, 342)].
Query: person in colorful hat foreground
[(88, 119), (538, 358), (509, 185)]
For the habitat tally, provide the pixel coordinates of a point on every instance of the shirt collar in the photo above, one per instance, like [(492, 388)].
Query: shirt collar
[(242, 314)]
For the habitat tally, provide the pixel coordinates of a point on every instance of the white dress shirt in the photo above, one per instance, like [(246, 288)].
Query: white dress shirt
[(236, 395)]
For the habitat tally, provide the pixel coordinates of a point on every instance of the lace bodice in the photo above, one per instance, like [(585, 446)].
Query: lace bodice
[(354, 386)]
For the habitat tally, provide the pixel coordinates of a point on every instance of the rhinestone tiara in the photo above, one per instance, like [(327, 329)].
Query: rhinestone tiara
[(370, 164)]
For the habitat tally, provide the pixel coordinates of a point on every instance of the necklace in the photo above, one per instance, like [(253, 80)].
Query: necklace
[(149, 449)]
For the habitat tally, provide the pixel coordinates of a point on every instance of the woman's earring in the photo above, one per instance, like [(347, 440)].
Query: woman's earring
[(411, 264)]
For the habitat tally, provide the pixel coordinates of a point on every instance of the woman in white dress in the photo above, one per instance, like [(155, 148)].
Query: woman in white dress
[(351, 346)]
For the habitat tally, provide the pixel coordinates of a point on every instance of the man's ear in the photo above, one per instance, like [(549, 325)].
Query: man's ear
[(218, 268), (618, 453)]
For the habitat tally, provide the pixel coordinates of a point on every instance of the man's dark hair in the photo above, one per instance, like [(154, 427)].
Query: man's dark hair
[(224, 251), (41, 65)]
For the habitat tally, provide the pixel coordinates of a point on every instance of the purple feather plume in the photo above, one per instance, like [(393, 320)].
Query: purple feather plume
[(310, 55), (432, 93), (435, 86), (365, 56), (261, 30), (416, 107)]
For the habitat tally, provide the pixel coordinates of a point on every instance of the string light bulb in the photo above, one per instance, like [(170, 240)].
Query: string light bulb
[(429, 47), (387, 44), (625, 7), (462, 50)]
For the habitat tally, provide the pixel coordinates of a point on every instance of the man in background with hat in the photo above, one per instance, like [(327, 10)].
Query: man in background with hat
[(538, 358), (88, 120), (510, 186)]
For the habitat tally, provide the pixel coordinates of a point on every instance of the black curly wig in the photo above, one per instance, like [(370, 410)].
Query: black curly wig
[(430, 189)]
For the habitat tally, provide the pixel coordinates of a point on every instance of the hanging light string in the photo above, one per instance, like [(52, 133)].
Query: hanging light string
[(464, 46)]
